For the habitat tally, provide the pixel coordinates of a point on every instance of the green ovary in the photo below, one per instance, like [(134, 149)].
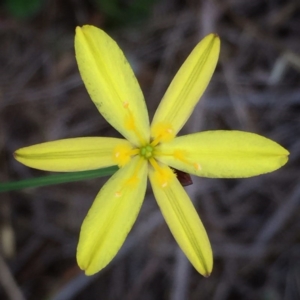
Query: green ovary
[(147, 151)]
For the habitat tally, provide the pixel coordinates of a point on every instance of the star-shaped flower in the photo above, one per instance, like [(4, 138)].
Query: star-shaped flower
[(148, 150)]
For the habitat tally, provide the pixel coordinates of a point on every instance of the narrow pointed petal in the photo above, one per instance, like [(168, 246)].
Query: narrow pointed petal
[(111, 83), (112, 216), (223, 154), (68, 155), (188, 85), (184, 223)]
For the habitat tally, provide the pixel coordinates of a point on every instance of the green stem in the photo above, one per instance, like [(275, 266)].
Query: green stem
[(56, 179)]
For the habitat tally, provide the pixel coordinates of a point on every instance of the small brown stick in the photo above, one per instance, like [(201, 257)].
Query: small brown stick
[(8, 282)]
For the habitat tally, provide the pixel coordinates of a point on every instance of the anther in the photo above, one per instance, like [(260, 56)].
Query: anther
[(164, 184), (118, 194), (197, 166), (162, 132)]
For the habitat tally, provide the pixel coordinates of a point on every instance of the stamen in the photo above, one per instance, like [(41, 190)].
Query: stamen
[(134, 152), (163, 175), (162, 132), (130, 123), (132, 181), (154, 164), (181, 155), (138, 166), (156, 141), (123, 154)]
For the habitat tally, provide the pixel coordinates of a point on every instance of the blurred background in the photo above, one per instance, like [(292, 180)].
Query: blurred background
[(253, 224)]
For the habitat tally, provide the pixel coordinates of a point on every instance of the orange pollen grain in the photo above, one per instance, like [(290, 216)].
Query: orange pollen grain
[(197, 166), (118, 194)]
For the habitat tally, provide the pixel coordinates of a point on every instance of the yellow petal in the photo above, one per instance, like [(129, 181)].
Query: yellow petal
[(111, 83), (111, 216), (223, 154), (188, 85), (184, 223), (77, 154)]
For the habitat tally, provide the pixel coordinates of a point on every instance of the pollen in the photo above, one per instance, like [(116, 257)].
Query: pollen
[(169, 130), (197, 166), (118, 194), (164, 184)]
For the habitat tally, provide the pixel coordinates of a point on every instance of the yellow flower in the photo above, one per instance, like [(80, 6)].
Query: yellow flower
[(148, 150)]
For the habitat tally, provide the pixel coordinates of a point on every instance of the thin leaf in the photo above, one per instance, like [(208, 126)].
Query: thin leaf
[(56, 179)]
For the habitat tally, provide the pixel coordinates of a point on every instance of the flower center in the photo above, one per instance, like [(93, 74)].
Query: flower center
[(162, 175), (147, 151), (123, 153)]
